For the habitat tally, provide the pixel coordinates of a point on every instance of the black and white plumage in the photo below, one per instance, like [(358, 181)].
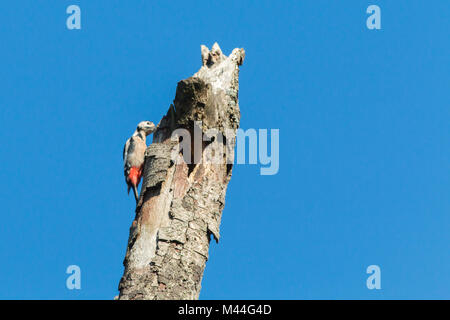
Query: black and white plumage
[(134, 155)]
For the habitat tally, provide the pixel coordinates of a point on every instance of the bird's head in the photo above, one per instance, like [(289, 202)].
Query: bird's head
[(147, 126)]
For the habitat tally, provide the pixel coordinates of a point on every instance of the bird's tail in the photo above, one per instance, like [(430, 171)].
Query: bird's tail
[(136, 194), (133, 178)]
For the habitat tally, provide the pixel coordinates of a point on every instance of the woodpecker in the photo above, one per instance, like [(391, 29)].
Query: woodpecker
[(134, 154)]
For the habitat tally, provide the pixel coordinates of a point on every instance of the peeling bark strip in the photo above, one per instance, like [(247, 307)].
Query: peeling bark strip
[(181, 204)]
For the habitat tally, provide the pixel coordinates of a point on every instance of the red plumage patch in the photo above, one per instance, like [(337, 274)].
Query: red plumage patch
[(135, 175)]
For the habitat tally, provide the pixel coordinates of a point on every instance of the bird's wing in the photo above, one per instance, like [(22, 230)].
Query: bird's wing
[(125, 150), (129, 150)]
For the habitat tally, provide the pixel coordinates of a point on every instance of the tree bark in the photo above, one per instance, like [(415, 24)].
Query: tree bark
[(180, 204)]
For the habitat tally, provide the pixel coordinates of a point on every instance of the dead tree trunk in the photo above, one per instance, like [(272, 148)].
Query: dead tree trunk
[(181, 203)]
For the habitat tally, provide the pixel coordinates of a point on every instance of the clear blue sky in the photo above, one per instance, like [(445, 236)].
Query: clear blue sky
[(364, 143)]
